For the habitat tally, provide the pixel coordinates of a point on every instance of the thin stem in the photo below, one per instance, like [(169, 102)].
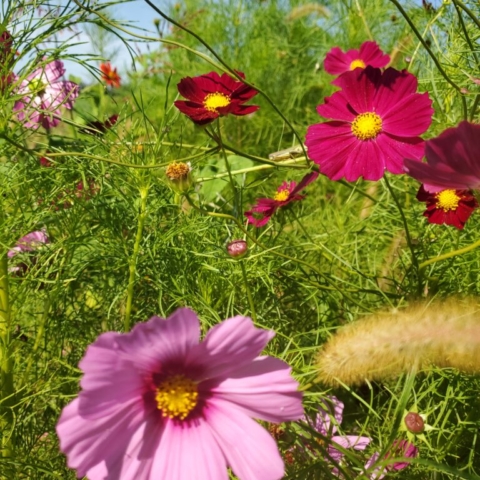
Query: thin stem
[(133, 260), (451, 254), (407, 231), (364, 20), (467, 11), (249, 293), (430, 52), (474, 107)]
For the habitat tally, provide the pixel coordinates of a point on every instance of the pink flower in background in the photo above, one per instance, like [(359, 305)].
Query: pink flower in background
[(44, 93), (377, 118), (29, 243), (333, 407), (337, 62), (287, 192), (157, 403), (400, 448), (453, 160)]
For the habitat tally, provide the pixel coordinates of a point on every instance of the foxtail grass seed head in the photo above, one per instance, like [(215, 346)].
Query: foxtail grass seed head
[(385, 345)]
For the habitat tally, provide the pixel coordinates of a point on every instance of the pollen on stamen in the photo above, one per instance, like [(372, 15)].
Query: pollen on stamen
[(176, 170), (176, 397), (282, 195), (214, 101), (367, 126), (358, 63), (448, 200)]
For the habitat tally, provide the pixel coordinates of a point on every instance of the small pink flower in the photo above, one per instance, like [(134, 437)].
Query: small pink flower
[(29, 243), (287, 192), (44, 93), (333, 407), (453, 160), (157, 403), (338, 62), (400, 448), (377, 118)]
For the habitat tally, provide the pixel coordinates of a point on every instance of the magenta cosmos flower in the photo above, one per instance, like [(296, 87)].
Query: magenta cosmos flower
[(43, 94), (450, 207), (157, 403), (211, 96), (337, 62), (453, 160), (376, 120), (400, 448), (29, 243), (333, 407), (287, 192)]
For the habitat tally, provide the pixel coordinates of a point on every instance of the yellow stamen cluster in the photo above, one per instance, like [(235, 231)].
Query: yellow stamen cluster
[(176, 397), (177, 170), (216, 100), (367, 126), (357, 63), (447, 200), (282, 195)]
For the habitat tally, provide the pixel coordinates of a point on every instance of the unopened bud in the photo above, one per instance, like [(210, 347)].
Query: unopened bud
[(179, 175), (237, 248), (414, 422)]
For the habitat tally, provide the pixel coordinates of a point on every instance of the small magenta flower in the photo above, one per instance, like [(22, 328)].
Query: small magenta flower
[(400, 449), (338, 62), (287, 192), (377, 118), (158, 403), (43, 94), (453, 160), (237, 248), (210, 96), (450, 207), (28, 243)]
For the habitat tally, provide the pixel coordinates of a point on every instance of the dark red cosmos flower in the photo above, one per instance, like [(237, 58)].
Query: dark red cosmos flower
[(98, 128), (338, 62), (6, 42), (110, 75), (287, 192), (452, 207), (211, 96)]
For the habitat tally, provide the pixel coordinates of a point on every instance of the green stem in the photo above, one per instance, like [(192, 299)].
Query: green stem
[(467, 11), (6, 363), (451, 254), (133, 260), (407, 233), (249, 293)]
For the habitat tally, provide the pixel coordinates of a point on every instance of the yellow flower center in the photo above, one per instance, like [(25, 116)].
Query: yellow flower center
[(176, 170), (36, 86), (447, 200), (216, 100), (357, 63), (176, 397), (282, 195), (367, 126)]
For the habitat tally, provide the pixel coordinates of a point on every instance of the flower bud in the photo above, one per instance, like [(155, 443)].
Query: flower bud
[(414, 422), (178, 173), (237, 248)]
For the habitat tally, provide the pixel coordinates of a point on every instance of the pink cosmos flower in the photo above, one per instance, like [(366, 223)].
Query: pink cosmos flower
[(338, 62), (453, 160), (287, 192), (400, 448), (333, 407), (157, 403), (376, 120), (29, 243), (44, 93)]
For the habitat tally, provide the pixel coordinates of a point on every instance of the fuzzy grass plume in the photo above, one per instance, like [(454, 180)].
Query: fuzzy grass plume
[(384, 345)]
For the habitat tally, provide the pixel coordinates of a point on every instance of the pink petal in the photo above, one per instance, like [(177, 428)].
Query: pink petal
[(393, 88), (263, 389), (365, 160), (377, 473), (336, 62), (371, 54), (410, 117), (396, 149), (328, 406), (228, 346), (337, 107), (249, 449), (48, 73), (347, 441)]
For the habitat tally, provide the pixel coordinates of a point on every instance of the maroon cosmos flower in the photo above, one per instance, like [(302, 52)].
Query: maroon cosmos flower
[(376, 122), (287, 192), (98, 128), (211, 96), (453, 160), (337, 62), (450, 207), (6, 42)]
